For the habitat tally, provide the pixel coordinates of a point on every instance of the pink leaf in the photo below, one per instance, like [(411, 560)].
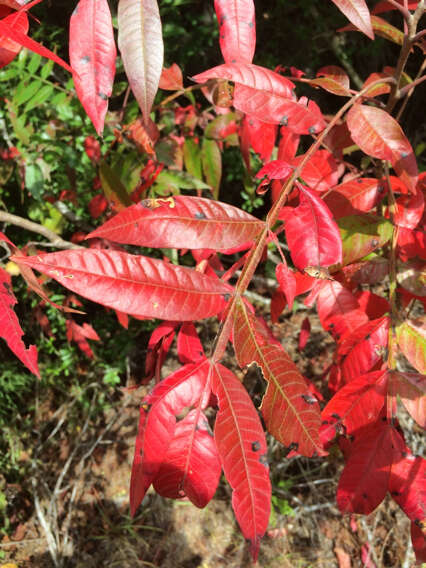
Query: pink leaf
[(140, 42), (10, 328), (379, 135), (357, 12), (171, 78), (351, 197), (261, 136), (181, 222), (237, 29), (92, 56)]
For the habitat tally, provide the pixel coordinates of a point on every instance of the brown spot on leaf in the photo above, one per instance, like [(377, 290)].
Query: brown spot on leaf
[(255, 446), (102, 96), (85, 59), (284, 121), (200, 215)]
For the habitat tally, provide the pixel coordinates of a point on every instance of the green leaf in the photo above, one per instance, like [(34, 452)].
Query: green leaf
[(175, 181), (34, 180), (192, 158), (39, 98), (212, 164), (25, 92), (46, 69), (362, 234), (113, 189), (34, 63)]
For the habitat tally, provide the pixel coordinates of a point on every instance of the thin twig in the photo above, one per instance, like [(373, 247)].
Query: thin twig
[(28, 225)]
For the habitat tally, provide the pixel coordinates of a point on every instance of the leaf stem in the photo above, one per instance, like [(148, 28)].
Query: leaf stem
[(409, 40), (255, 254)]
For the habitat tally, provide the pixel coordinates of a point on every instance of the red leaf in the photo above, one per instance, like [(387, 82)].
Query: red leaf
[(409, 210), (171, 78), (354, 406), (312, 234), (351, 197), (261, 136), (406, 484), (158, 346), (333, 79), (419, 543), (299, 117), (181, 222), (379, 135), (305, 331), (339, 310), (140, 42), (287, 282), (182, 389), (387, 6), (92, 56), (9, 49), (191, 466), (373, 305), (19, 36), (242, 449), (10, 329), (97, 206), (364, 481), (321, 172), (411, 388), (136, 285), (189, 346), (357, 12), (287, 149), (249, 75), (92, 149), (364, 348), (277, 169), (290, 411), (237, 29), (80, 334)]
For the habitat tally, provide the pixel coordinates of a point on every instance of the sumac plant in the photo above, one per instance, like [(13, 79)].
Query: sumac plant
[(340, 225)]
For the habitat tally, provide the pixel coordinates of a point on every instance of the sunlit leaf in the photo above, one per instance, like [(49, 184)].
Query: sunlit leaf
[(242, 449), (10, 328), (140, 42), (290, 411), (181, 222), (181, 390), (92, 56), (237, 29), (412, 341), (358, 13), (379, 135), (136, 285)]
